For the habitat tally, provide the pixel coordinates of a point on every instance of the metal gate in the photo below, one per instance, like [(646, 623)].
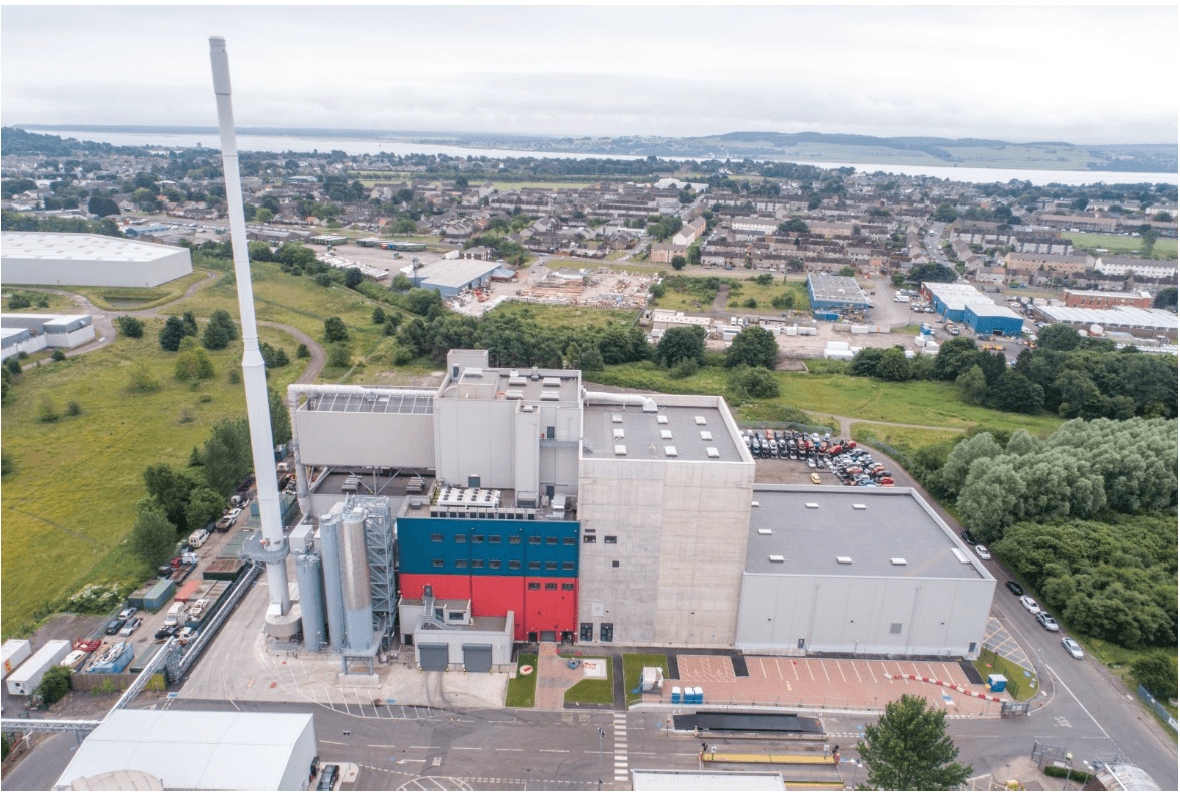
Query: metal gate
[(1012, 709), (477, 657), (433, 657)]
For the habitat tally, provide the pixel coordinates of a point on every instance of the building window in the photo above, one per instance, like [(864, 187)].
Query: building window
[(514, 565), (552, 565), (610, 540), (534, 540), (567, 566), (534, 586), (589, 539), (477, 563), (436, 537), (460, 538), (477, 539), (568, 540), (460, 563), (494, 539), (437, 563), (895, 628), (567, 586), (551, 587), (534, 565), (456, 616), (551, 540), (614, 564), (513, 540), (494, 563)]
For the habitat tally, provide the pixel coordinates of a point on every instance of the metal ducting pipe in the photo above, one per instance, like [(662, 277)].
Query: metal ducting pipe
[(296, 390), (622, 399)]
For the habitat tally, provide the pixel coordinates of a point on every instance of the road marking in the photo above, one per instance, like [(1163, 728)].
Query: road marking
[(552, 750), (508, 749), (858, 679), (824, 666), (808, 664), (841, 670), (779, 668), (465, 748), (1075, 698)]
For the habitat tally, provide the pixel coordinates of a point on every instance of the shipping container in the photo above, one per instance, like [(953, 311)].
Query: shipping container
[(158, 595), (24, 680), (223, 569), (187, 591), (140, 663), (15, 652), (136, 599)]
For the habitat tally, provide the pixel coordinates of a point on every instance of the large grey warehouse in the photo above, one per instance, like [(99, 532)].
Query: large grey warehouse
[(34, 258)]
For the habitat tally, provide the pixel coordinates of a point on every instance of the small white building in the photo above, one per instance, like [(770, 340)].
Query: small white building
[(35, 258), (195, 750), (31, 333)]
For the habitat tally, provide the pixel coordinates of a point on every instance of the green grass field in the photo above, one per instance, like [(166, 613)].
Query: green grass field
[(593, 691), (1020, 686), (565, 315), (522, 689), (70, 502), (58, 303), (1122, 245), (138, 298), (902, 436)]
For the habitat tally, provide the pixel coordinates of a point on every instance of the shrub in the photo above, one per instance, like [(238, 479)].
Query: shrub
[(73, 408), (142, 380), (58, 355), (339, 355), (302, 351), (12, 365), (1070, 775), (46, 412), (18, 301), (54, 685), (234, 377), (130, 326)]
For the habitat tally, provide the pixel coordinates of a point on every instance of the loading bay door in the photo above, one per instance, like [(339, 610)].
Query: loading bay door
[(477, 657), (433, 657)]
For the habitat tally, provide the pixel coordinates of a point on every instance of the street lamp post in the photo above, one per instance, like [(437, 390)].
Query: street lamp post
[(601, 734)]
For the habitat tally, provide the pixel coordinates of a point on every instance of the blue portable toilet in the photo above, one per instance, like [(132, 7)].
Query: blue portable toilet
[(675, 695), (700, 695), (996, 683)]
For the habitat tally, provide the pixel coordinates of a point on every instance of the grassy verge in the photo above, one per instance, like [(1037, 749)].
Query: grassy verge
[(58, 303), (593, 691), (1020, 687), (566, 315), (70, 502), (522, 689), (902, 436), (142, 297), (633, 665)]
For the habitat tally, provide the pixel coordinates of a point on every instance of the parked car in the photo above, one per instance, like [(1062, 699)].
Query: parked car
[(814, 478), (186, 635), (327, 777), (130, 626), (1073, 648), (1048, 622), (1030, 605), (983, 552), (1015, 588), (114, 627), (968, 537), (164, 633), (127, 613)]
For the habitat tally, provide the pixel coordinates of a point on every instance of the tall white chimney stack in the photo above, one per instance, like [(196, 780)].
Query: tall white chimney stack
[(253, 369)]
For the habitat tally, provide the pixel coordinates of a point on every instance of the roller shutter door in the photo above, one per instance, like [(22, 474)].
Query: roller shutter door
[(477, 657), (433, 657)]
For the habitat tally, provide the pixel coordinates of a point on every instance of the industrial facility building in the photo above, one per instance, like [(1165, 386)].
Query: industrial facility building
[(951, 299), (991, 319), (31, 333), (858, 570), (177, 749), (522, 508), (1142, 322), (450, 276), (36, 258), (832, 291)]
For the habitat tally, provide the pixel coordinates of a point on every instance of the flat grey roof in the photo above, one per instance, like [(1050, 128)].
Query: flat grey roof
[(956, 296), (991, 309), (81, 247), (370, 402), (503, 384), (892, 524), (720, 781), (835, 288), (1124, 316), (643, 435), (455, 273)]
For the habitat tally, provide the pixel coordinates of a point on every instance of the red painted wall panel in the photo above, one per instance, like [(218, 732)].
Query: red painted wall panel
[(496, 595), (444, 586), (535, 609)]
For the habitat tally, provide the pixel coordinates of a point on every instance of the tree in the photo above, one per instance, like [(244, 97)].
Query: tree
[(894, 366), (280, 418), (1013, 392), (1165, 298), (793, 226), (753, 383), (153, 537), (130, 326), (945, 213), (203, 507), (302, 351), (54, 685), (965, 452), (1058, 337), (352, 277), (753, 346), (190, 324), (681, 343), (219, 331), (679, 262), (378, 315), (908, 748), (847, 272), (171, 334), (340, 356), (264, 215), (227, 456), (972, 385), (334, 329), (897, 279), (102, 206), (1157, 673)]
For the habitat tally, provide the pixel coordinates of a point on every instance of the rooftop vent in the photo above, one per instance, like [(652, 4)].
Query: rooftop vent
[(776, 559), (472, 371), (898, 561), (754, 503), (843, 559), (665, 434), (765, 532), (517, 381), (620, 450), (700, 419), (662, 419), (550, 396), (811, 505), (616, 418), (858, 506), (551, 382), (706, 435), (712, 452), (513, 394), (959, 554), (670, 451), (618, 434)]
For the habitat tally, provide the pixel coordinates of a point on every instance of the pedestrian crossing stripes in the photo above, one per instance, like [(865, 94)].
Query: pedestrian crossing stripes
[(620, 729)]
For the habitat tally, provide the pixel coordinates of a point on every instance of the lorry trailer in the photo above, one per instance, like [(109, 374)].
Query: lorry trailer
[(15, 652), (25, 679)]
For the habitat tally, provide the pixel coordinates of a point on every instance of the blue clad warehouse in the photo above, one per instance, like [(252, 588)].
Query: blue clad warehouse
[(992, 319)]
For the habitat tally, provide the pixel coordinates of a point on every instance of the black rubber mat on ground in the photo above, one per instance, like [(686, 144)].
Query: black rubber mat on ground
[(673, 667), (970, 672), (739, 666), (747, 722)]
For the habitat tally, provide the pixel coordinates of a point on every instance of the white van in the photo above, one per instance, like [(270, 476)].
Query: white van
[(174, 614)]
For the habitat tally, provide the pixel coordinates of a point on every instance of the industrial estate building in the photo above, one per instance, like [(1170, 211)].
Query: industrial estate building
[(158, 749), (31, 333), (833, 291), (965, 304), (35, 258), (523, 507), (449, 276)]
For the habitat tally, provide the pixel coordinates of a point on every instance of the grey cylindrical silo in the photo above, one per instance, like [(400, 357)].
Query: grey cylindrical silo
[(330, 545), (311, 599), (354, 574)]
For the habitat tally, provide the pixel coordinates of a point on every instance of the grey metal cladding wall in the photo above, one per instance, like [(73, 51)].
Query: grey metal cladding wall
[(365, 439)]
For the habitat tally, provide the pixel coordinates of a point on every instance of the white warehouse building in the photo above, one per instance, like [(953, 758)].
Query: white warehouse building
[(31, 333), (35, 258)]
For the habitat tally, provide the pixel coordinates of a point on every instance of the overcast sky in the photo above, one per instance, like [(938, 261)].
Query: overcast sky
[(1082, 74)]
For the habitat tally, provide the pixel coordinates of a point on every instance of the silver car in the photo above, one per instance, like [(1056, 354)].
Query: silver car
[(1048, 622), (1073, 648), (1030, 605)]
